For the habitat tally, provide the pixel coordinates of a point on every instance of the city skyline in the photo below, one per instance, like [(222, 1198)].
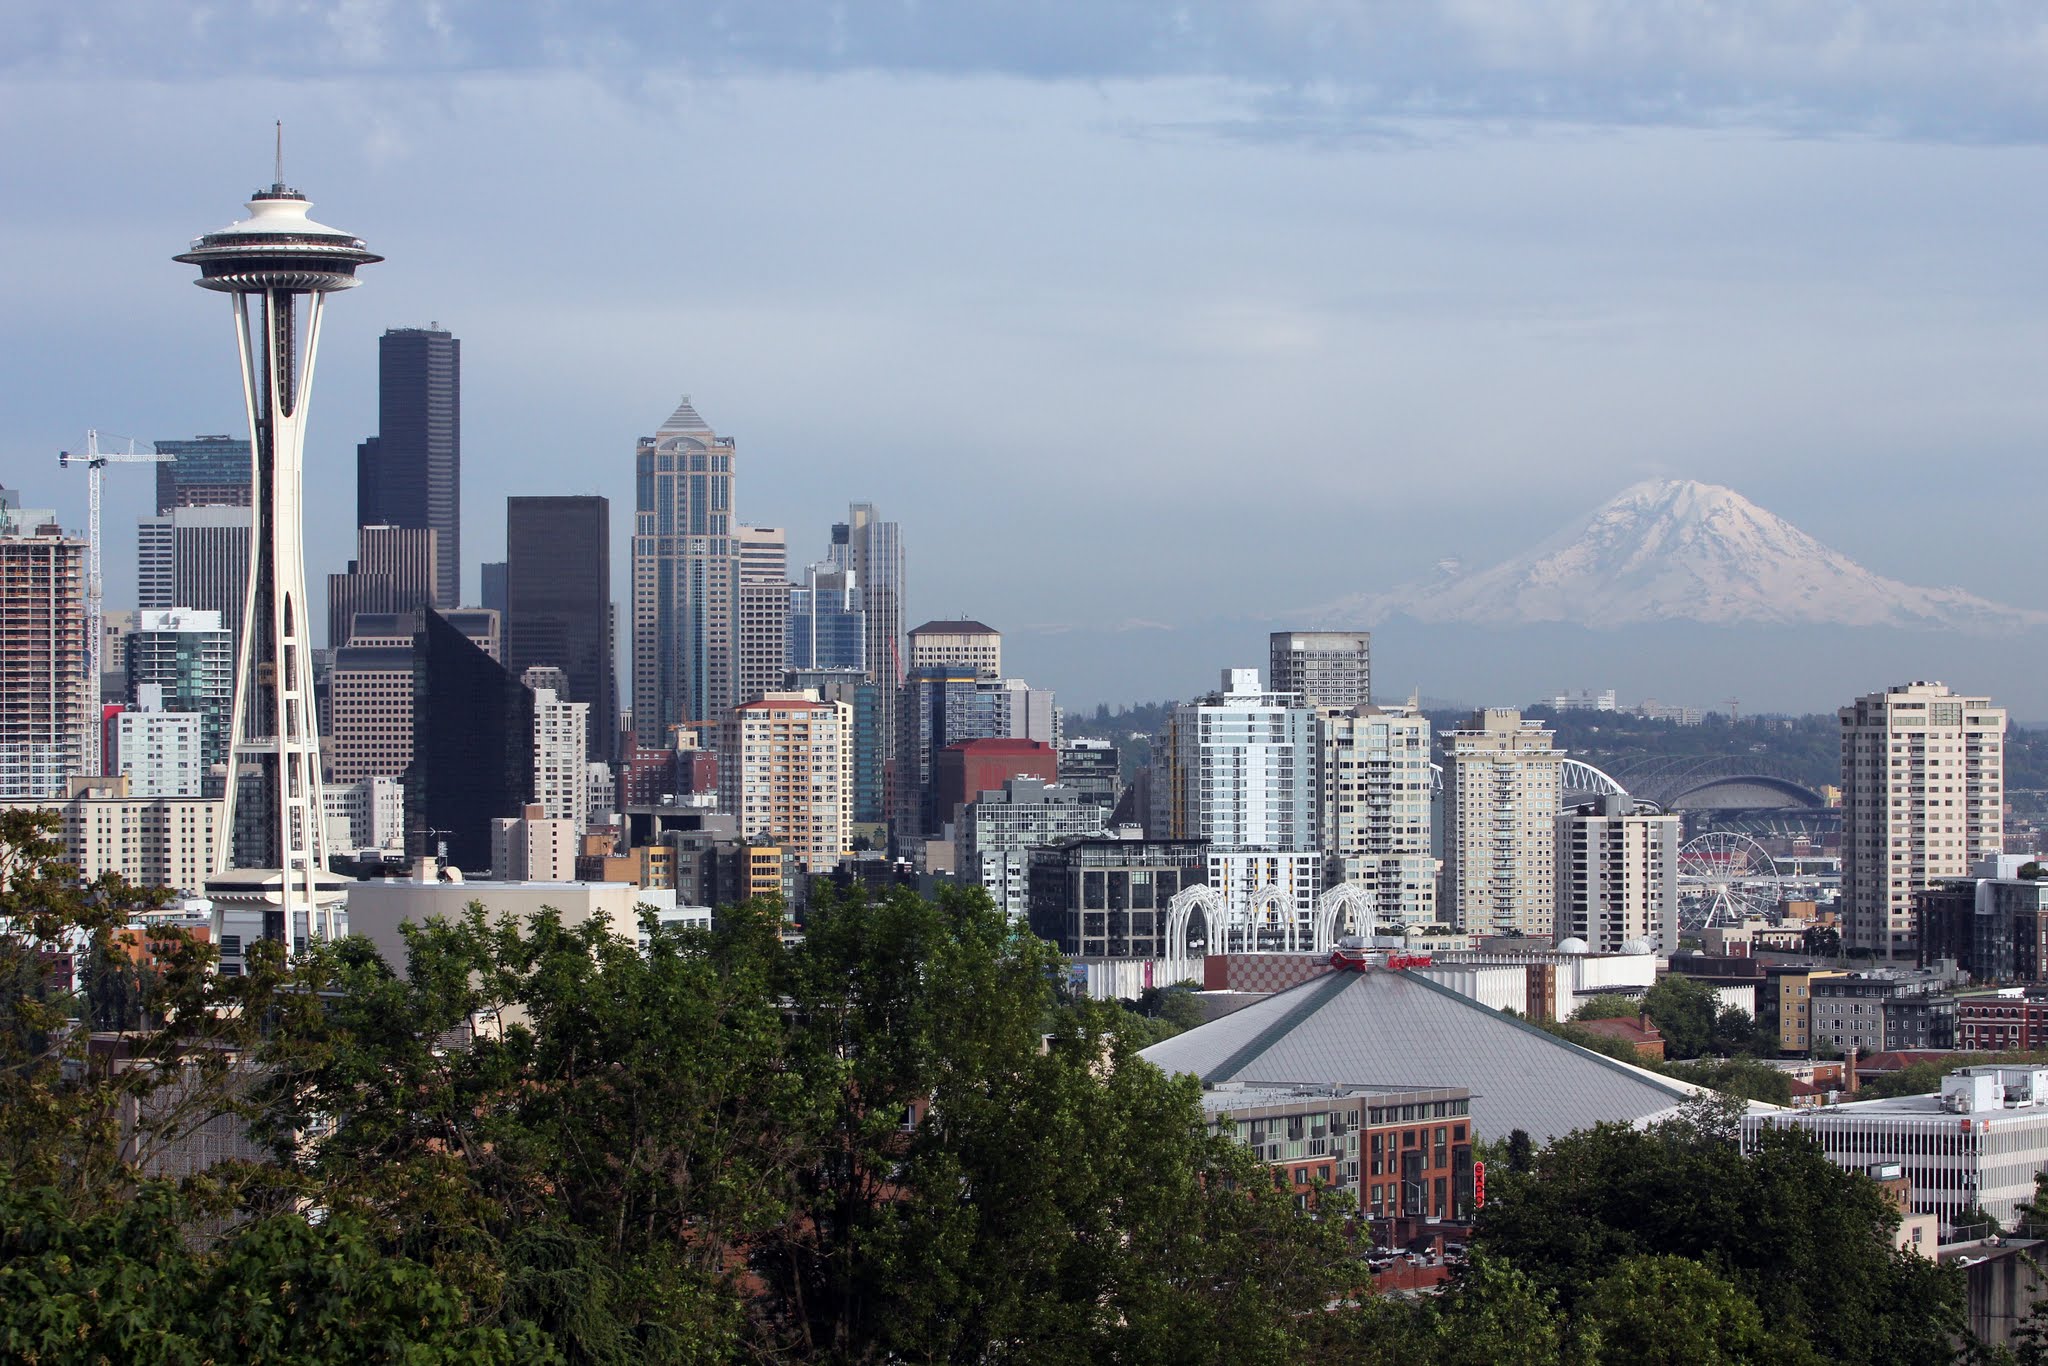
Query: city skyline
[(1649, 273)]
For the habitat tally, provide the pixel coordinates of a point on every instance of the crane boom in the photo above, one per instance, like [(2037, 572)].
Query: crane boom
[(95, 462)]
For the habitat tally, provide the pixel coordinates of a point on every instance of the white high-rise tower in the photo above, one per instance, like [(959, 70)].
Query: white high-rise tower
[(267, 262)]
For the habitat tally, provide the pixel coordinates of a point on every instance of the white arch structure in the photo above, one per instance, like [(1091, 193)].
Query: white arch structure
[(1349, 907), (1579, 776)]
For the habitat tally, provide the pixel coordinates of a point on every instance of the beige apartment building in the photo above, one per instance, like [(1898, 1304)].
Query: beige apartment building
[(1923, 798), (1617, 877), (151, 841), (972, 643), (786, 773), (1374, 806), (1503, 789)]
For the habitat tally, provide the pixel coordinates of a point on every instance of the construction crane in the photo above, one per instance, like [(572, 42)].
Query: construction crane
[(96, 461)]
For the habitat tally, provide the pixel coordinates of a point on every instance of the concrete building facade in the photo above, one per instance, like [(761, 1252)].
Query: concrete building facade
[(1328, 668), (971, 643), (1000, 827), (786, 773), (1923, 794), (1373, 803), (1617, 876), (1503, 788), (46, 692)]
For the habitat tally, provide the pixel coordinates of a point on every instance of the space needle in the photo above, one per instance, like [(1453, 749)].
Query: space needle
[(270, 847)]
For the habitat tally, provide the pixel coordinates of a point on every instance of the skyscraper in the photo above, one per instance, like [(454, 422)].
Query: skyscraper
[(685, 578), (1923, 794), (558, 603), (188, 657), (46, 715), (1375, 779), (410, 473), (1617, 876), (195, 556), (763, 609), (786, 773), (827, 626), (1503, 789), (873, 550), (472, 744), (204, 471), (396, 569), (1328, 668), (270, 264)]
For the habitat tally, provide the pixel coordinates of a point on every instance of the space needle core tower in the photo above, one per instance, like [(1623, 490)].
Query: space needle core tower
[(271, 845)]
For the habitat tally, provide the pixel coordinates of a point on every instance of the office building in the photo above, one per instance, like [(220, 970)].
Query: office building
[(1923, 796), (827, 625), (561, 775), (558, 595), (1995, 928), (964, 770), (203, 471), (2010, 1021), (873, 550), (786, 772), (942, 704), (685, 578), (410, 473), (187, 656), (1108, 898), (972, 643), (47, 695), (1000, 826), (1503, 789), (763, 608), (197, 557), (472, 744), (1327, 668), (159, 752), (370, 700), (1373, 807), (371, 812), (1977, 1145), (1617, 877), (494, 592), (396, 569)]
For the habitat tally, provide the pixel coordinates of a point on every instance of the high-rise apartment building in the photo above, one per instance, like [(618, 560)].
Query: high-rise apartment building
[(204, 471), (1374, 807), (558, 595), (763, 607), (1503, 789), (869, 704), (561, 778), (46, 692), (188, 657), (1617, 877), (410, 473), (685, 578), (827, 626), (1328, 668), (151, 841), (396, 569), (1923, 793), (958, 642), (786, 772)]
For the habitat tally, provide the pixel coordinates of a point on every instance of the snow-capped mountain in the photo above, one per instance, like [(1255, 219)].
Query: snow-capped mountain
[(1680, 550)]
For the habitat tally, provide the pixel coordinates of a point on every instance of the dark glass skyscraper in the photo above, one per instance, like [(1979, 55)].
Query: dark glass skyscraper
[(410, 473), (472, 744), (558, 607)]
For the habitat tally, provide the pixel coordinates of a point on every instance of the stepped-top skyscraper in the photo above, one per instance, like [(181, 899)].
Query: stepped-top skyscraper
[(410, 473), (685, 578), (268, 263)]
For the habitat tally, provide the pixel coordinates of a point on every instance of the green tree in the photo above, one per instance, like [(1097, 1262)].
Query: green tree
[(1809, 1242), (1683, 1011), (1741, 1076), (1608, 1006), (1672, 1311)]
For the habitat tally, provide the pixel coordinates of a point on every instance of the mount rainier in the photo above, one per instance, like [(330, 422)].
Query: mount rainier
[(1679, 550)]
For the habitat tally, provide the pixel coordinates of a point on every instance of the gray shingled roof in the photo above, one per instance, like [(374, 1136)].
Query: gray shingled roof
[(1399, 1029)]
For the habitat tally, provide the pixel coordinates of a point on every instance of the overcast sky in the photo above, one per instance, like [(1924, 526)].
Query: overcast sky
[(1130, 313)]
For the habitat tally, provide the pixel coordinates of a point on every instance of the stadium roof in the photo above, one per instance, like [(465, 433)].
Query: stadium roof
[(1385, 1028)]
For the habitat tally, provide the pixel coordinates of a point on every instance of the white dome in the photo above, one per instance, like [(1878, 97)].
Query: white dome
[(1637, 946), (1573, 945)]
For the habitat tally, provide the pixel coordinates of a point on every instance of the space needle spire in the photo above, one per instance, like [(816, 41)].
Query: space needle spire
[(271, 844)]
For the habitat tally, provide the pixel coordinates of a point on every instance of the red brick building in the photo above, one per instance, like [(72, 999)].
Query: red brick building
[(1993, 1024), (1407, 1154)]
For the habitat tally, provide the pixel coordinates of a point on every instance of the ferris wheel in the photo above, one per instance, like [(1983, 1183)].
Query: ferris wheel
[(1723, 879)]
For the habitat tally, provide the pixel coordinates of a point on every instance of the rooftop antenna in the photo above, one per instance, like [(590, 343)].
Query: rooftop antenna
[(279, 182)]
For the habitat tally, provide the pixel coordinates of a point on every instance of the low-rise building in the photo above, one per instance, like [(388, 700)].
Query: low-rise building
[(1882, 1011), (998, 829), (1406, 1153), (1979, 1142), (1993, 928), (1107, 898), (2005, 1022)]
